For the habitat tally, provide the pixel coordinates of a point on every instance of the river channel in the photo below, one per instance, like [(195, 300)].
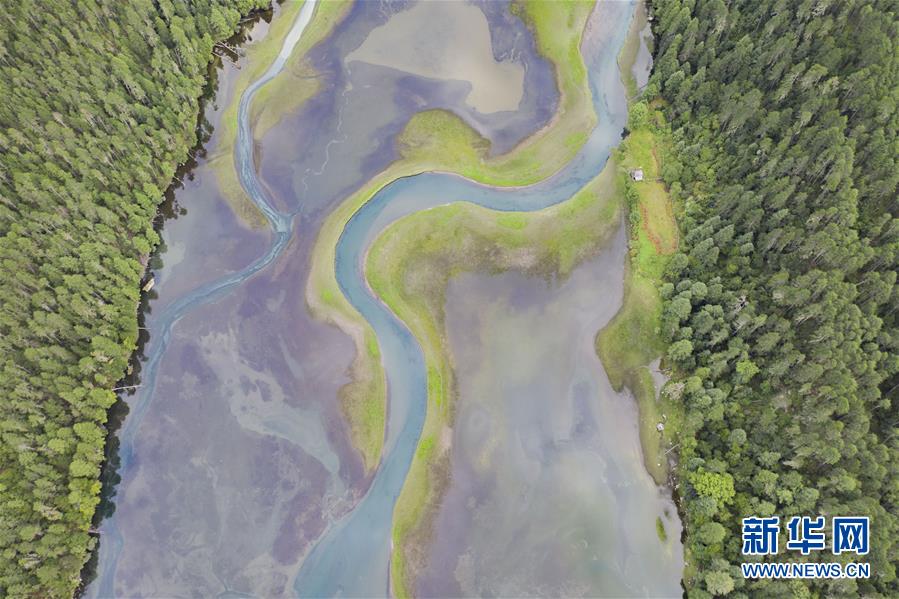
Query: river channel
[(237, 474)]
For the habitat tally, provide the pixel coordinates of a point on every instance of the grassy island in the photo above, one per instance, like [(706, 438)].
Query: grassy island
[(440, 141)]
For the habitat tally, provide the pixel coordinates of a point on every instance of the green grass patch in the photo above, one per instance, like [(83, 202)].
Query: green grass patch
[(660, 530), (512, 220), (435, 132), (361, 398), (641, 150), (425, 470), (642, 386), (631, 340), (638, 149)]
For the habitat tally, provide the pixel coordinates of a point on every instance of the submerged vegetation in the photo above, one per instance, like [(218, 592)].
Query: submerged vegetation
[(100, 104), (660, 529), (780, 307)]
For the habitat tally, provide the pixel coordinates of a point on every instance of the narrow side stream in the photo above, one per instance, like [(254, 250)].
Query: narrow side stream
[(111, 546)]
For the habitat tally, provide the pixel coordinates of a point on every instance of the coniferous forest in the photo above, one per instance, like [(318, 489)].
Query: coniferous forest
[(781, 309), (99, 106)]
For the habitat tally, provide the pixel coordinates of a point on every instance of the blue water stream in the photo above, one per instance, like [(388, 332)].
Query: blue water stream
[(352, 557)]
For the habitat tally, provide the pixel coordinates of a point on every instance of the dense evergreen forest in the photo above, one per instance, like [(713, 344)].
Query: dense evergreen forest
[(781, 309), (99, 105)]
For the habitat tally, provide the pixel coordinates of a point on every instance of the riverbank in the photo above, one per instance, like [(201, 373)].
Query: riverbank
[(632, 341), (409, 267), (440, 141)]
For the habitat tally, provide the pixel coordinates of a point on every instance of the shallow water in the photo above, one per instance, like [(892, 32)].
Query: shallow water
[(548, 494), (235, 459), (344, 135), (235, 455), (642, 67), (352, 557), (425, 40)]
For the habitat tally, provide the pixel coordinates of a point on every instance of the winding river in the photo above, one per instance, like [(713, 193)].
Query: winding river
[(351, 558)]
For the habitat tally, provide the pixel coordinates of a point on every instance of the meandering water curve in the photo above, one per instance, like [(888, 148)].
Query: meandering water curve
[(352, 556)]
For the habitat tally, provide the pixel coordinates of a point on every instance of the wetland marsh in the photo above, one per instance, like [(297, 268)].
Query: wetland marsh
[(287, 416)]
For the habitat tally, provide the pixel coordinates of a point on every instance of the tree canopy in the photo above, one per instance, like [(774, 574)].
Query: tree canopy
[(781, 308), (100, 102)]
